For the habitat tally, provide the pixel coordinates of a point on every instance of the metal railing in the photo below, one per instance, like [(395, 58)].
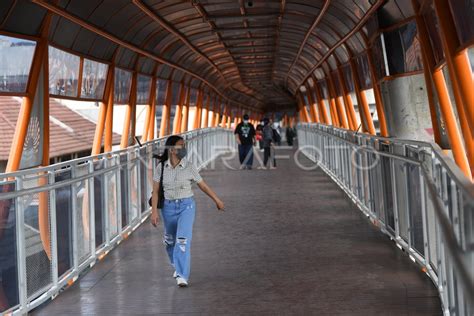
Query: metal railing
[(57, 221), (414, 194)]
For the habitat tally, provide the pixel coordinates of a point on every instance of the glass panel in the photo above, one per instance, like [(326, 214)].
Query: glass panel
[(16, 56), (99, 204), (378, 58), (112, 200), (403, 49), (64, 222), (124, 186), (123, 81), (82, 216), (63, 72), (348, 78), (38, 264), (432, 26), (463, 11), (337, 84), (8, 254), (143, 89), (93, 79), (363, 72)]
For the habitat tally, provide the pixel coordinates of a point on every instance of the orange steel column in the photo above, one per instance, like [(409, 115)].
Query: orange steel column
[(217, 110), (341, 115), (211, 112), (322, 107), (312, 105), (179, 109), (151, 130), (165, 116), (205, 112), (185, 118), (427, 69), (446, 107), (149, 118), (364, 109), (224, 117), (378, 98), (348, 101), (129, 113), (458, 62), (103, 110), (197, 114), (109, 119), (304, 112)]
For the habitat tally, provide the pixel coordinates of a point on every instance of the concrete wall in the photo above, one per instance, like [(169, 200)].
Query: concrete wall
[(406, 108)]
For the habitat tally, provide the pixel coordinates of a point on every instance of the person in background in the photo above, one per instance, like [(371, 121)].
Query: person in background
[(245, 137), (290, 135), (259, 136), (179, 207), (268, 139)]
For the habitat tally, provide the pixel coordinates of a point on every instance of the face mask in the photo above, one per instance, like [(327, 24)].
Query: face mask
[(246, 121), (181, 152)]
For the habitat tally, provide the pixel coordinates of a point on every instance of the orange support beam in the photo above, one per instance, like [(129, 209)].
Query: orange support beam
[(109, 116), (165, 118), (185, 118), (446, 107), (205, 113), (312, 105), (151, 130), (378, 98), (304, 116), (339, 112), (198, 112), (364, 109), (348, 101), (458, 62), (124, 142), (149, 118), (178, 117), (322, 107), (103, 109)]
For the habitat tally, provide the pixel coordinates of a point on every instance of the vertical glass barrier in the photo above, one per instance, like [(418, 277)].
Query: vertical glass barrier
[(64, 222), (414, 202), (8, 254), (112, 203), (82, 210), (99, 201), (124, 187), (36, 233)]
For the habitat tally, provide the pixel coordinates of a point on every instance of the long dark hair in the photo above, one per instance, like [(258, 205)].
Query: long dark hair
[(170, 142)]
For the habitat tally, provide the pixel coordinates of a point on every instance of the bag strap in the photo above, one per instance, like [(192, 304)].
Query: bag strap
[(161, 176)]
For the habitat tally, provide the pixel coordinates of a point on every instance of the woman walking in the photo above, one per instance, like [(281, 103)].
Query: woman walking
[(177, 175)]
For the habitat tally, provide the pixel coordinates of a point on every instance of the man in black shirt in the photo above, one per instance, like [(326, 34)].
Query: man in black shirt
[(245, 137)]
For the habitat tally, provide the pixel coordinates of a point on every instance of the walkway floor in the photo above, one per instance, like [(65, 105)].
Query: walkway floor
[(290, 243)]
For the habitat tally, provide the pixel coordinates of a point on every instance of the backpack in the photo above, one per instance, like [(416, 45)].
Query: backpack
[(276, 136)]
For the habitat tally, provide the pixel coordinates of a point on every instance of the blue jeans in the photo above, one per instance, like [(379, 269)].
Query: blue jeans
[(178, 219), (246, 155)]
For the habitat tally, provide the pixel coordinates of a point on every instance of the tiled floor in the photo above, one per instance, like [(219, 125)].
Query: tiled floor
[(290, 243)]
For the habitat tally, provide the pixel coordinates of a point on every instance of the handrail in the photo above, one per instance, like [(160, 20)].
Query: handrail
[(444, 197), (59, 220)]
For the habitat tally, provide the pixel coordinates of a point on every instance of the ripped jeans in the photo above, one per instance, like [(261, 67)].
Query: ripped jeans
[(178, 219)]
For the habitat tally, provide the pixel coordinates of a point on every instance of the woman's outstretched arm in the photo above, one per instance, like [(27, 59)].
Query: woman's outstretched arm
[(155, 219), (206, 189)]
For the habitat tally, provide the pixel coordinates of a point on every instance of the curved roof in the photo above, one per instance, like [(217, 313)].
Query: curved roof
[(256, 53)]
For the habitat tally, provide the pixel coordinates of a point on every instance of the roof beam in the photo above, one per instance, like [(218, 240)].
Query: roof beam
[(316, 22), (170, 28), (94, 29)]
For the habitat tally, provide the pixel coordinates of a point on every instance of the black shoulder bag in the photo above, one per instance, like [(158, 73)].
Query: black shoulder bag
[(161, 193)]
